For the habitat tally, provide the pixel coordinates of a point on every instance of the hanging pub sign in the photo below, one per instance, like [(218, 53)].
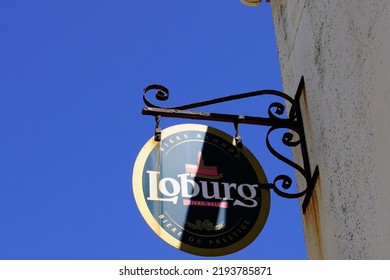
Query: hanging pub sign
[(199, 192)]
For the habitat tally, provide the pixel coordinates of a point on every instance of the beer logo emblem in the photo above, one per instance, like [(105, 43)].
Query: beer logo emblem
[(200, 193)]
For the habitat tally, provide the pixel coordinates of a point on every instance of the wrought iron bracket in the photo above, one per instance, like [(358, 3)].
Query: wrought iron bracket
[(279, 117)]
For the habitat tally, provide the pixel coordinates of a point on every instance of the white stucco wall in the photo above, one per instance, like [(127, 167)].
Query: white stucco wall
[(342, 48)]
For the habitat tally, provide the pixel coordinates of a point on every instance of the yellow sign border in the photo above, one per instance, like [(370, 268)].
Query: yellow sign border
[(150, 220)]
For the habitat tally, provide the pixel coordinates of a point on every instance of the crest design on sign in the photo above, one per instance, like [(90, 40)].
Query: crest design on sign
[(199, 192), (201, 170)]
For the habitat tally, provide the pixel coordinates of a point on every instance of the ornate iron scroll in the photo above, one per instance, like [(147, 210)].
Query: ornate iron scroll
[(278, 118)]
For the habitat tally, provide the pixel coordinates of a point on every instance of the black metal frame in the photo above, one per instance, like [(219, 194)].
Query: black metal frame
[(275, 120)]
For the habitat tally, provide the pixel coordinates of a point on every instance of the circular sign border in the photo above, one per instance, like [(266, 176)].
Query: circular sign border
[(138, 193)]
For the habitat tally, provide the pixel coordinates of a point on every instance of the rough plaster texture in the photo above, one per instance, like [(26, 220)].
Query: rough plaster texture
[(342, 48)]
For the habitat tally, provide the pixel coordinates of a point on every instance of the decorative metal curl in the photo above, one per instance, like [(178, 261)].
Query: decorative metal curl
[(162, 94), (275, 120), (279, 110), (286, 181)]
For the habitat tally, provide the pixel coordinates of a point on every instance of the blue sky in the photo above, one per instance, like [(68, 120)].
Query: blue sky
[(72, 75)]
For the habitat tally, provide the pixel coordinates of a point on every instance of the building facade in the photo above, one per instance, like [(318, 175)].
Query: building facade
[(342, 49)]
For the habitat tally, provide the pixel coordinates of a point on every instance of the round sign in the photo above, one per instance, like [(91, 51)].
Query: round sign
[(199, 192)]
